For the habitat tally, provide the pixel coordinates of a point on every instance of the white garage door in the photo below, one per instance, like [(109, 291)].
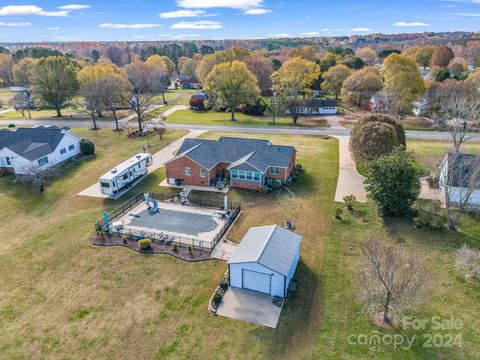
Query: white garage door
[(257, 281)]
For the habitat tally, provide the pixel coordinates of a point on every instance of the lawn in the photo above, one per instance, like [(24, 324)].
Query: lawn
[(224, 118), (5, 97), (63, 298)]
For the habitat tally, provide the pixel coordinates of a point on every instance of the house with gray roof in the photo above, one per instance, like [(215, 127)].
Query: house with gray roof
[(245, 163), (265, 261), (42, 146)]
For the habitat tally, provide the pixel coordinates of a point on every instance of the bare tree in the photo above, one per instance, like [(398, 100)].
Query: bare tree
[(468, 260), (146, 81), (391, 280), (459, 179), (38, 175)]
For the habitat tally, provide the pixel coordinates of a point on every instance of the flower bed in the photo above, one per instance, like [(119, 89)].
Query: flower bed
[(179, 252)]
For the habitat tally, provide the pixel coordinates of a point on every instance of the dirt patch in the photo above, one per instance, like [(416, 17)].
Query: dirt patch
[(181, 252), (378, 321), (314, 122)]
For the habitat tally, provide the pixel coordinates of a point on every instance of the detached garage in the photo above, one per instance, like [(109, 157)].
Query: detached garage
[(265, 261)]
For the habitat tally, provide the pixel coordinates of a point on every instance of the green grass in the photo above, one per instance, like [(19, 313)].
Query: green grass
[(224, 118), (63, 298), (5, 97)]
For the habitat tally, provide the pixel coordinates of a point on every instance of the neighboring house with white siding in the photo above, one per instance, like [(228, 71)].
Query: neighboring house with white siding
[(265, 261), (42, 146), (460, 178)]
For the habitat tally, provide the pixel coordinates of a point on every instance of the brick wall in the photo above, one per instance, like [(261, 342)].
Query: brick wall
[(248, 185), (176, 170)]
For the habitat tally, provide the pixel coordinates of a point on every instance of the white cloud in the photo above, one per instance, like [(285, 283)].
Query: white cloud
[(467, 14), (361, 29), (182, 14), (279, 35), (408, 24), (15, 24), (197, 25), (52, 28), (257, 11), (185, 36), (74, 7), (129, 26), (207, 4), (19, 10), (312, 33)]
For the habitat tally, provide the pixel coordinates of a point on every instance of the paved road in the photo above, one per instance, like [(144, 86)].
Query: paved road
[(159, 159), (411, 134)]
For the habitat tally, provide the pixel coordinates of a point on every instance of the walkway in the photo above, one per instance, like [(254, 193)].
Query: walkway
[(223, 250), (349, 182), (159, 160)]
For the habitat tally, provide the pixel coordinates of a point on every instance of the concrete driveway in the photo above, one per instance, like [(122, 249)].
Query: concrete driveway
[(249, 306), (159, 159)]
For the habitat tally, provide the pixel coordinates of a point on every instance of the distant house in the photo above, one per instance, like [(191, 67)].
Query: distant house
[(420, 107), (197, 101), (246, 163), (265, 261), (23, 101), (192, 83), (313, 107), (461, 174), (377, 102), (41, 146)]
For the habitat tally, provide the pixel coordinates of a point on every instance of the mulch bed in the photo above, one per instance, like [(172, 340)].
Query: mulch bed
[(182, 253)]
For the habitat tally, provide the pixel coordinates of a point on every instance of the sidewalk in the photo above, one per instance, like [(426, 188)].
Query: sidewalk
[(159, 160)]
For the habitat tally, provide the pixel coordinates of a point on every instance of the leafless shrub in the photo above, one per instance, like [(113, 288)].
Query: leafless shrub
[(468, 260), (392, 281)]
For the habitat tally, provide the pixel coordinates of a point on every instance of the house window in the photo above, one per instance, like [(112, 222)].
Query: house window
[(9, 161), (241, 175), (256, 176), (43, 161), (202, 173), (63, 151), (249, 175), (234, 174), (187, 171), (71, 147), (274, 170)]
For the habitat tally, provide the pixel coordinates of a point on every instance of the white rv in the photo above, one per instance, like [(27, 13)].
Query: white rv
[(125, 174)]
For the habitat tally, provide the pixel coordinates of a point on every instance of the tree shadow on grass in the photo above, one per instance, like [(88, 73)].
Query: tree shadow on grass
[(299, 320)]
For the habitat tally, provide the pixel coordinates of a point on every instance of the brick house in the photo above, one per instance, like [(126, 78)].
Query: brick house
[(245, 163)]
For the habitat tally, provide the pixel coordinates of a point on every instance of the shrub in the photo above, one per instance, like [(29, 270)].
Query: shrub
[(145, 244), (468, 259), (175, 247), (101, 234), (350, 201), (433, 182), (429, 220), (217, 298), (223, 285), (125, 239), (392, 182), (11, 126), (190, 248), (376, 135), (87, 147), (263, 190), (276, 185), (338, 213)]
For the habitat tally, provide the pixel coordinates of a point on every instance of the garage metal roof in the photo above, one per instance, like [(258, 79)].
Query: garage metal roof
[(270, 246)]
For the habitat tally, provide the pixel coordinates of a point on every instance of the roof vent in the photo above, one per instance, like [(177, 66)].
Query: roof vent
[(138, 156), (114, 170)]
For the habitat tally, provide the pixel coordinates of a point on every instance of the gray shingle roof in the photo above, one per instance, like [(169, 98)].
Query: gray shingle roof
[(270, 246), (262, 153), (32, 143)]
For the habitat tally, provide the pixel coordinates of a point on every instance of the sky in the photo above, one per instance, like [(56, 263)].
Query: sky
[(148, 20)]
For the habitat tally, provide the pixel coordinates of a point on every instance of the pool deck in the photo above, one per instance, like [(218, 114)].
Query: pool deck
[(185, 237)]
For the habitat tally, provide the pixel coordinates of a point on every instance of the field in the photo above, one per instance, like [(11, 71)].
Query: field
[(63, 298)]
